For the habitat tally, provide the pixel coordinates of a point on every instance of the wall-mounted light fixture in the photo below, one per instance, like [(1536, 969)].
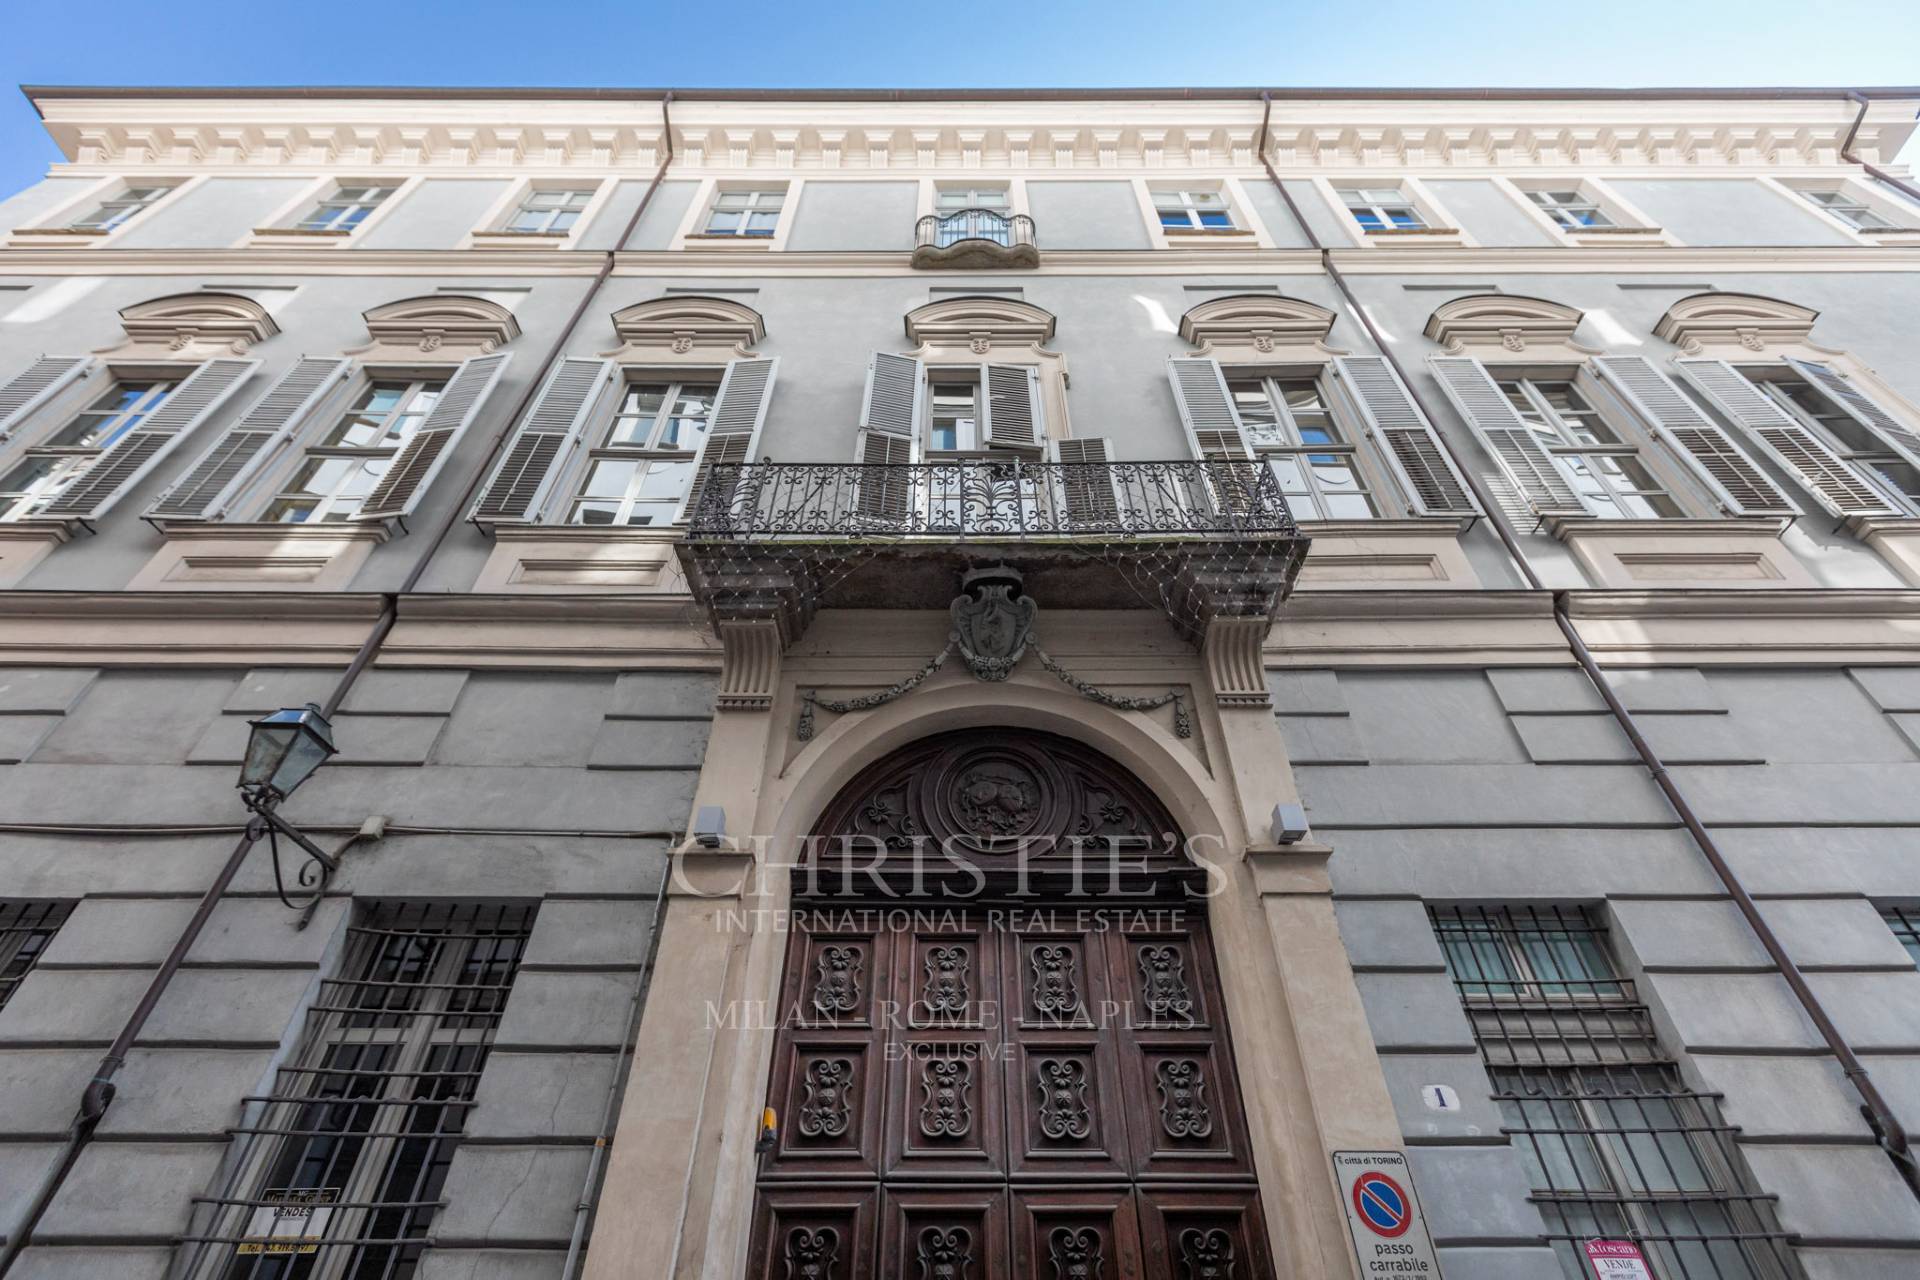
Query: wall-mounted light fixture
[(283, 750)]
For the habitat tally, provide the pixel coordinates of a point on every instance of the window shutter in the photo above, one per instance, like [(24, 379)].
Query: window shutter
[(1408, 442), (41, 382), (139, 451), (1511, 442), (1206, 408), (518, 488), (895, 387), (739, 411), (1014, 417), (1087, 495), (886, 495), (1742, 488), (1827, 477), (207, 488), (407, 478), (1862, 408)]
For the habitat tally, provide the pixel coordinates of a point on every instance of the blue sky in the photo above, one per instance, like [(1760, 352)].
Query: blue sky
[(1071, 43)]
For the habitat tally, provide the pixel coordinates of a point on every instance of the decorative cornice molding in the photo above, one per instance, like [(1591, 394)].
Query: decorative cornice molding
[(1505, 321), (980, 324), (450, 326), (1257, 322), (681, 324), (1735, 319), (185, 324)]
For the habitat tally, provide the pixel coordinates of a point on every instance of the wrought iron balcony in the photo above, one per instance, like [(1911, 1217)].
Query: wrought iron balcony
[(975, 238), (1198, 538)]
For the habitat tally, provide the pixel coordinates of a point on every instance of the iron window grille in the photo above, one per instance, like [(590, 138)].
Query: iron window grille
[(25, 930), (338, 1172), (1604, 467), (109, 214), (1905, 923), (1892, 476), (51, 466), (1616, 1144), (1855, 213)]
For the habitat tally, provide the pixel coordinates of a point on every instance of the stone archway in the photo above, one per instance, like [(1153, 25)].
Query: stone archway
[(1001, 1046)]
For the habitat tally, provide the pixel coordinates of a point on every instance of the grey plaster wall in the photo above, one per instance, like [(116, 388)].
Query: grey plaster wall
[(1489, 214), (1085, 215), (435, 215), (1512, 786), (217, 214), (1728, 211), (855, 215), (29, 203), (458, 761)]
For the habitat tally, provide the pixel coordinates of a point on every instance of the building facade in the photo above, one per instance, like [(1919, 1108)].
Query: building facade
[(939, 684)]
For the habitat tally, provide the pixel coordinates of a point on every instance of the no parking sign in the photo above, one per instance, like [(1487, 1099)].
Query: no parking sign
[(1389, 1236)]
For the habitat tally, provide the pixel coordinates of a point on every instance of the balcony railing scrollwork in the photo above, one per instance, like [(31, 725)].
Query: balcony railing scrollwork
[(975, 238)]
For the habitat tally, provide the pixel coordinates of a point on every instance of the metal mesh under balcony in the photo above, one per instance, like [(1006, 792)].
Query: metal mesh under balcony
[(1197, 539), (974, 238)]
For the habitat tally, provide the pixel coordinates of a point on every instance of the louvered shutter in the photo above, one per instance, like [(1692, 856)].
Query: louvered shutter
[(739, 411), (1827, 477), (885, 494), (139, 451), (895, 388), (1406, 439), (518, 488), (421, 458), (1087, 495), (1741, 486), (1863, 409), (1206, 408), (1507, 437), (1014, 416), (41, 382), (211, 483)]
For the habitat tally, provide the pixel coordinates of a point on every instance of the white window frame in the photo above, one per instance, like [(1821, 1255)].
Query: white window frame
[(1628, 221), (1347, 449), (126, 207), (56, 227), (1865, 462), (1187, 202), (647, 454), (1246, 230), (1904, 216), (330, 418), (72, 461), (283, 228), (1574, 457), (495, 227), (692, 235), (344, 200), (756, 204), (1439, 226)]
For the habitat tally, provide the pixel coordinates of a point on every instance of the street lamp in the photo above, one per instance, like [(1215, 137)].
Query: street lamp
[(283, 750)]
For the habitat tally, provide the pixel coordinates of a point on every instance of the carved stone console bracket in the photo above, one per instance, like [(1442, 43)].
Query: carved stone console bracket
[(1232, 649), (750, 665), (992, 630)]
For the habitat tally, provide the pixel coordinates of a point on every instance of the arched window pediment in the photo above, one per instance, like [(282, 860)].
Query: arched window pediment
[(981, 323), (1745, 320), (684, 324), (456, 325), (1259, 322), (1507, 321), (226, 322)]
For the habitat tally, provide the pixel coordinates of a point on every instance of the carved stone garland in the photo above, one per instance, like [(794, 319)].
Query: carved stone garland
[(992, 630)]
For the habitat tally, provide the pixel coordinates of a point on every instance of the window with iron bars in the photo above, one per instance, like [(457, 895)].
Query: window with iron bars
[(1617, 1146), (1904, 921), (25, 930), (340, 1169)]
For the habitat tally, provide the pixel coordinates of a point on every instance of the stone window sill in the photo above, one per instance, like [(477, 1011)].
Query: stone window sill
[(735, 244), (252, 557), (522, 239)]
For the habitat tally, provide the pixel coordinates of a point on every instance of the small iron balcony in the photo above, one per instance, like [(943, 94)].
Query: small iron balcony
[(1199, 539), (974, 238)]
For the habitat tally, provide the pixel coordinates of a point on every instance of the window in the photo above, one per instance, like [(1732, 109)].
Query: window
[(1854, 213), (25, 930), (1291, 427), (971, 213), (641, 470), (745, 213), (1193, 210), (1904, 921), (953, 413), (345, 209), (46, 469), (342, 468), (1603, 467), (1572, 210), (111, 213), (1616, 1144), (1381, 208), (1890, 474), (548, 212), (350, 1153)]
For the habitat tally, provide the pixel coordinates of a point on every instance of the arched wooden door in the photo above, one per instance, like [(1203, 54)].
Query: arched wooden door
[(1002, 1050)]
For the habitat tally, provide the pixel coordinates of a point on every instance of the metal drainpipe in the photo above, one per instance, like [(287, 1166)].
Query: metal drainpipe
[(1846, 150), (1891, 1134), (98, 1094)]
